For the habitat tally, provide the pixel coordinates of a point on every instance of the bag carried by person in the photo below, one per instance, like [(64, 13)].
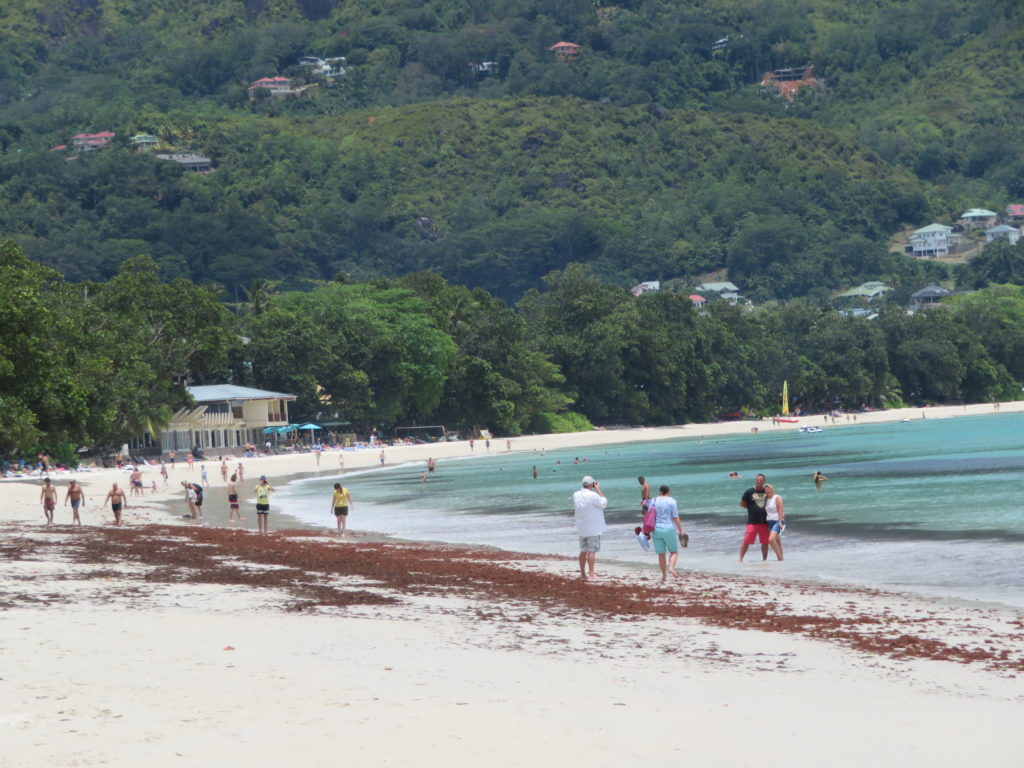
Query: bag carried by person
[(650, 516)]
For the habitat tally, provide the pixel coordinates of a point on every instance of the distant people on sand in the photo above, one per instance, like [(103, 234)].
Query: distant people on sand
[(317, 450), (233, 508), (341, 504), (240, 471), (163, 473), (382, 458), (263, 491), (754, 500), (189, 458), (668, 532), (117, 501), (819, 480), (76, 496), (775, 515), (589, 504), (48, 498), (205, 478), (341, 462), (224, 471)]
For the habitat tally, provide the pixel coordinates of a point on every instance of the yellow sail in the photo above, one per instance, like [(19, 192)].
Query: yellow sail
[(785, 398)]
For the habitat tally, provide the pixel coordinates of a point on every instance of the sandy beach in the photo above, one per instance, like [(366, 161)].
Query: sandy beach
[(176, 644)]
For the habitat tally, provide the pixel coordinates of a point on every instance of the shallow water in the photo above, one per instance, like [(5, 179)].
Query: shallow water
[(927, 506)]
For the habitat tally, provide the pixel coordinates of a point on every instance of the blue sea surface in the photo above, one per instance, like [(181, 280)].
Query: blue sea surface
[(928, 506)]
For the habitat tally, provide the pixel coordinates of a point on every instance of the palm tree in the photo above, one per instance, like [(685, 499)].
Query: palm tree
[(258, 294)]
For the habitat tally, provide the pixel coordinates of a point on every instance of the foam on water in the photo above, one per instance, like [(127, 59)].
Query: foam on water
[(929, 506)]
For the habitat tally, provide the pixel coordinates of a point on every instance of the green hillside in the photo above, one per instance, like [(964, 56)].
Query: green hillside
[(651, 156)]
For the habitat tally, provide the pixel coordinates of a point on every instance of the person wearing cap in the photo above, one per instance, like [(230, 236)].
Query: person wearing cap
[(263, 504), (589, 504)]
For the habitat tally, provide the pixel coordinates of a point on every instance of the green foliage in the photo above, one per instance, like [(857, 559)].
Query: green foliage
[(557, 423)]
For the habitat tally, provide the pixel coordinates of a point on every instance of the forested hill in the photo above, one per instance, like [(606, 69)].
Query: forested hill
[(654, 154)]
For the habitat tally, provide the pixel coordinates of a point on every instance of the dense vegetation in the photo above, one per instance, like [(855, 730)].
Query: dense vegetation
[(406, 241), (98, 363), (649, 157)]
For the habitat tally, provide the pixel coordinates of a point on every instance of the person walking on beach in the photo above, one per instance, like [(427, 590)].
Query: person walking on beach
[(589, 505), (341, 462), (224, 470), (775, 514), (819, 480), (341, 503), (135, 479), (263, 491), (76, 496), (233, 500), (382, 458), (240, 471), (190, 499), (205, 478), (189, 458), (645, 492), (48, 497), (317, 450), (117, 500), (163, 473), (753, 501), (668, 532)]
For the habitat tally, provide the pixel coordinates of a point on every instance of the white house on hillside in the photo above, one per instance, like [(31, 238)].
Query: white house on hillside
[(933, 240), (1002, 232)]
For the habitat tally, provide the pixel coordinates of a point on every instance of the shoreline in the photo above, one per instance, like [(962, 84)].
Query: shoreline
[(329, 643)]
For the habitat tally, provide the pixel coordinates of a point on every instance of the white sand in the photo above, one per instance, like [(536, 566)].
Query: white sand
[(114, 672)]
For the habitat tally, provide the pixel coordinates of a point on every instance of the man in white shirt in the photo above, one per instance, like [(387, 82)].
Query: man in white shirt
[(589, 504)]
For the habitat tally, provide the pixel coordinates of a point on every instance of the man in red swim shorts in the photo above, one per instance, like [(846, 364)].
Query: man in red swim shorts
[(753, 501)]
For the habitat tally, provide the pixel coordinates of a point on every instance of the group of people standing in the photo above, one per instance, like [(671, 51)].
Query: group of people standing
[(766, 521)]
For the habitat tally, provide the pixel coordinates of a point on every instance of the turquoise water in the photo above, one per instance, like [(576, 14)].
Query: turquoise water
[(929, 506)]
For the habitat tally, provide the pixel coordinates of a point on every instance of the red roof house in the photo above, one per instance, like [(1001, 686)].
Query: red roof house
[(272, 84), (564, 51), (1015, 211), (90, 141)]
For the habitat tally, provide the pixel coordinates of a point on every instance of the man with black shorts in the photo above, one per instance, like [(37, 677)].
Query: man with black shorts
[(117, 500), (233, 500), (263, 504), (753, 501)]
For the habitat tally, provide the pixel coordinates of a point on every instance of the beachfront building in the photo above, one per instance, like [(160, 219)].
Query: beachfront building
[(1002, 232), (225, 419), (933, 240)]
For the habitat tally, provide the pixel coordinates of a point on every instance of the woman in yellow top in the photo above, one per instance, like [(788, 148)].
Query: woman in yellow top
[(341, 502), (263, 504)]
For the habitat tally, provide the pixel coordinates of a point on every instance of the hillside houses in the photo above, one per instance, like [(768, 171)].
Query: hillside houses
[(88, 142), (933, 240)]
